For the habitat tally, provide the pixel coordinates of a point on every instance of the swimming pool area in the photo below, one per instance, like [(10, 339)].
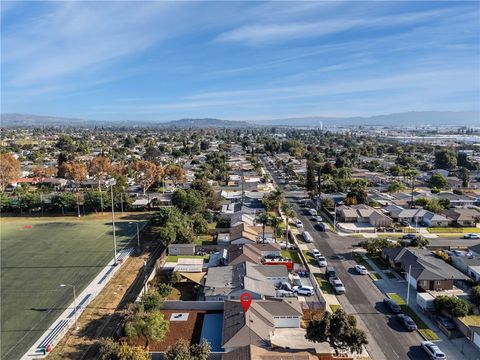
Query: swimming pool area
[(212, 331)]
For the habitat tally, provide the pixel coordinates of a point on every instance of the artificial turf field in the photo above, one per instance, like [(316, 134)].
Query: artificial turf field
[(39, 254)]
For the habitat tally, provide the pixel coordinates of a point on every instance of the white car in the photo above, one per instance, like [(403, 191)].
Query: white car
[(317, 218), (471, 236), (316, 253), (322, 262), (298, 223), (362, 270), (287, 245), (285, 293), (433, 350), (303, 290)]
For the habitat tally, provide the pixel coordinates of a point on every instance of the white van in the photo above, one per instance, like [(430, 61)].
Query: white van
[(307, 237)]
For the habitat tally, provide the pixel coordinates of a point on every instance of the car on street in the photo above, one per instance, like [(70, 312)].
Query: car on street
[(315, 253), (317, 218), (322, 262), (407, 322), (409, 236), (337, 285), (433, 350), (307, 237), (471, 236), (362, 270), (298, 223), (446, 323), (392, 305), (322, 227), (303, 290), (312, 212)]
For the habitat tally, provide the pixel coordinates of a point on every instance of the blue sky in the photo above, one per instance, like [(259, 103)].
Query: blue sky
[(238, 60)]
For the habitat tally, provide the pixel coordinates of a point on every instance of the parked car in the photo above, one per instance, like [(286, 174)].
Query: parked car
[(312, 212), (330, 272), (362, 270), (316, 253), (307, 237), (405, 223), (285, 293), (407, 322), (337, 285), (303, 290), (409, 236), (433, 350), (287, 245), (446, 323), (471, 236), (298, 223), (321, 227), (322, 262), (392, 305)]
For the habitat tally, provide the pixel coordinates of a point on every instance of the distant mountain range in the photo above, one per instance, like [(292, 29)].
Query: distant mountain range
[(405, 119)]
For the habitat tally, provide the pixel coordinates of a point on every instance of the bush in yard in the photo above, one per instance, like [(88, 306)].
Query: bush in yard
[(474, 296), (150, 326), (164, 290), (152, 300), (419, 241), (175, 277), (182, 350), (451, 305), (112, 350), (375, 246)]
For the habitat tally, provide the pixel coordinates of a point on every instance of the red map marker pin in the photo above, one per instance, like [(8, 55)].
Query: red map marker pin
[(246, 301)]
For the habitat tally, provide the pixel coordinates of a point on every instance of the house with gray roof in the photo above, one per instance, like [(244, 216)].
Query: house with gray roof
[(229, 282), (427, 271), (255, 326)]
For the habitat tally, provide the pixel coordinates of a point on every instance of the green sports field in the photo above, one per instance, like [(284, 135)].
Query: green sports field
[(39, 254)]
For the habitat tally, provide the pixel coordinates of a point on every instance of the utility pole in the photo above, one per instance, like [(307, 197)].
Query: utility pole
[(408, 282), (113, 227)]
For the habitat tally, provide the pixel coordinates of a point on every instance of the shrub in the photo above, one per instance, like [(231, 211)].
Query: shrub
[(164, 290), (451, 305), (152, 300)]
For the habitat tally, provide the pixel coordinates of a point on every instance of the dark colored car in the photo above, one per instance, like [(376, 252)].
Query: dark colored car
[(409, 237), (407, 322), (393, 306), (446, 323)]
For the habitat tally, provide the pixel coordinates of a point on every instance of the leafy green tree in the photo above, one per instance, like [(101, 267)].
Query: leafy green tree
[(152, 300), (164, 289), (437, 181), (339, 330), (112, 350), (395, 187), (453, 306), (199, 224), (167, 234), (474, 296), (64, 201), (29, 201), (464, 175), (311, 184), (445, 158), (175, 277), (6, 203), (181, 350), (375, 246), (263, 219), (189, 201), (150, 326), (275, 222), (434, 206)]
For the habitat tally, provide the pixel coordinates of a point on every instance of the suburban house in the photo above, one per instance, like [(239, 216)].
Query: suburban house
[(255, 327), (468, 263), (417, 216), (253, 253), (462, 216), (456, 199), (243, 233), (229, 282), (428, 272), (363, 214)]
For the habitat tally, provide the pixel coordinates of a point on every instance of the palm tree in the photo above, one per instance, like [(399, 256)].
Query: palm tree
[(289, 213), (264, 219), (275, 223), (411, 174)]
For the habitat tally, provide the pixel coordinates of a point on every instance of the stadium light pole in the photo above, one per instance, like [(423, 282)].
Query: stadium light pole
[(111, 183), (74, 303)]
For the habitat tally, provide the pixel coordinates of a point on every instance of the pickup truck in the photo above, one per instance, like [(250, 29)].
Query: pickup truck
[(337, 285)]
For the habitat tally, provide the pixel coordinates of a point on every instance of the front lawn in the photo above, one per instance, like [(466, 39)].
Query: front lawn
[(324, 284), (204, 240), (378, 261), (334, 307), (423, 329), (360, 260), (292, 254), (375, 276), (311, 260), (456, 230)]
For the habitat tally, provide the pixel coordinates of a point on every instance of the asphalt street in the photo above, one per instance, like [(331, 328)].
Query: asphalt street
[(387, 340)]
